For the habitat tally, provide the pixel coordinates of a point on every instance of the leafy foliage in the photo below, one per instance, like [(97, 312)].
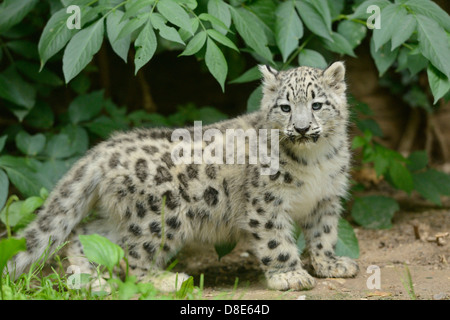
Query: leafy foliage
[(102, 251)]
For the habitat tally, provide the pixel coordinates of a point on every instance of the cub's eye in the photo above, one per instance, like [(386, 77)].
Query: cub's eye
[(285, 107), (316, 106)]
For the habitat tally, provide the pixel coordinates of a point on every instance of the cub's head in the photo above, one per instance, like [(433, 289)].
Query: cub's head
[(305, 103)]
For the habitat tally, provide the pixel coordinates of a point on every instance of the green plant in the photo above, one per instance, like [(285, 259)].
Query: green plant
[(407, 174), (408, 284)]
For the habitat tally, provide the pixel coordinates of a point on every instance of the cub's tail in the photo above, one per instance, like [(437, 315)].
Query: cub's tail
[(70, 201)]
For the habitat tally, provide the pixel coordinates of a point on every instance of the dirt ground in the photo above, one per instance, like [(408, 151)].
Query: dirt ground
[(407, 245)]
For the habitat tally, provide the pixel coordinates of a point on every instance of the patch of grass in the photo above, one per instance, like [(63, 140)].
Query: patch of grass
[(37, 285), (408, 284)]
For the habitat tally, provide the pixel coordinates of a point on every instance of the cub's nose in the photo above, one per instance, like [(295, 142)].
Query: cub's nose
[(303, 130)]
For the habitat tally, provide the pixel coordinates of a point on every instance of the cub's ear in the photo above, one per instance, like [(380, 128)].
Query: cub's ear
[(269, 77), (334, 77)]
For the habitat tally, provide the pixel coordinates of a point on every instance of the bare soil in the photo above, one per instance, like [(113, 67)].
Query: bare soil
[(406, 246)]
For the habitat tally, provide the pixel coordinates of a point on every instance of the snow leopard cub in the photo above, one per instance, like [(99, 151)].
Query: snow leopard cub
[(129, 177)]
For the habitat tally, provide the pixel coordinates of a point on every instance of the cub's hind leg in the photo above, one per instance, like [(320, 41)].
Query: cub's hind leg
[(78, 262), (148, 249)]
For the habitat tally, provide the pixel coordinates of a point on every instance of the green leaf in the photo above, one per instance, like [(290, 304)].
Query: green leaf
[(14, 215), (361, 11), (41, 116), (391, 15), (165, 31), (352, 31), (313, 20), (21, 175), (336, 7), (78, 137), (384, 57), (347, 244), (254, 100), (371, 125), (14, 89), (136, 8), (2, 142), (288, 28), (222, 249), (114, 24), (4, 188), (219, 9), (424, 185), (339, 45), (401, 177), (433, 43), (380, 163), (216, 63), (216, 35), (195, 44), (214, 21), (301, 242), (82, 48), (132, 25), (441, 180), (44, 76), (209, 115), (31, 204), (126, 289), (85, 107), (52, 170), (248, 26), (56, 34), (21, 213), (187, 287), (145, 46), (416, 63), (30, 145), (403, 30), (417, 160), (431, 10), (358, 142), (24, 48), (104, 126), (439, 83), (184, 34), (74, 2), (8, 249), (251, 74), (416, 97), (324, 10), (374, 212), (264, 11), (431, 184), (311, 58), (101, 250), (173, 12), (59, 147), (13, 11)]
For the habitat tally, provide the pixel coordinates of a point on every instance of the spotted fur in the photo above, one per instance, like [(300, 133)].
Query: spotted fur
[(152, 207)]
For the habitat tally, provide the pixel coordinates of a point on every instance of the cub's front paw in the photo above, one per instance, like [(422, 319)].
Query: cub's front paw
[(296, 280), (335, 267)]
